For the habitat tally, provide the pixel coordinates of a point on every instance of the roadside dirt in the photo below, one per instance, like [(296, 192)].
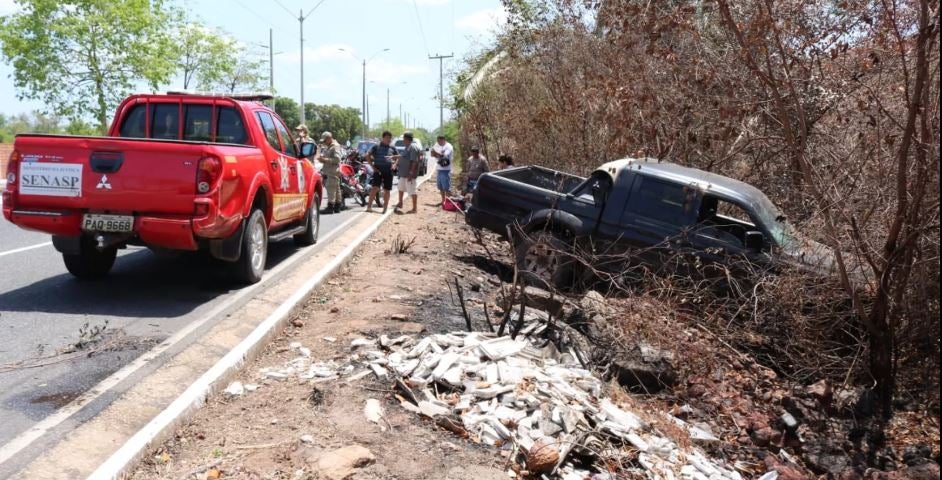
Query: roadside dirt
[(259, 434)]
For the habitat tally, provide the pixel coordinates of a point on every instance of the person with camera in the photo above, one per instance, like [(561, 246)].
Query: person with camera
[(443, 153)]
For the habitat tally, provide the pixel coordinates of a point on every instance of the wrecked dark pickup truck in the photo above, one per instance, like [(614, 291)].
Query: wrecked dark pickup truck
[(648, 209)]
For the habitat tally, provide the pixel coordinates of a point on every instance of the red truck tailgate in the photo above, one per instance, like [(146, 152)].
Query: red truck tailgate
[(101, 173)]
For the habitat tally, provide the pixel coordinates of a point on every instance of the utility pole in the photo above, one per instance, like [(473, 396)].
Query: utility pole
[(366, 119), (271, 67), (441, 89), (301, 18)]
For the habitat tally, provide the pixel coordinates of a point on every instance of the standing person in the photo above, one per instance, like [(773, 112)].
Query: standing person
[(443, 152), (505, 162), (304, 137), (331, 156), (408, 167), (380, 157), (477, 166)]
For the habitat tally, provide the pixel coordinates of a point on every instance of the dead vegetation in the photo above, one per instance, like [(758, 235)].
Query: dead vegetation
[(831, 109)]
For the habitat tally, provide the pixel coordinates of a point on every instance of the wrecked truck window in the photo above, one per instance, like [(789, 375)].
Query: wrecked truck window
[(661, 201)]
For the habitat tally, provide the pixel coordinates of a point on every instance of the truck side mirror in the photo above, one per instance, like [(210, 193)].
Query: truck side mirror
[(755, 240), (307, 149)]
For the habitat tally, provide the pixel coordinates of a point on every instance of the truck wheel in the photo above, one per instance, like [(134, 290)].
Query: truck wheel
[(313, 225), (251, 263), (90, 263), (543, 260)]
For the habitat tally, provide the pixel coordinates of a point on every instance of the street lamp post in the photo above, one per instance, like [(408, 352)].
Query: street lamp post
[(366, 125), (301, 18)]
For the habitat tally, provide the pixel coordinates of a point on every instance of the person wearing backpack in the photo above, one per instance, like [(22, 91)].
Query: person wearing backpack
[(443, 153)]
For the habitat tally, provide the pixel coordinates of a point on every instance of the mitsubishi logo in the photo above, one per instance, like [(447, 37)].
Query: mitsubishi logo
[(103, 183)]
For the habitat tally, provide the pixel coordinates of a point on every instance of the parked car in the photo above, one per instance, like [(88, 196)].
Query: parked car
[(400, 145), (364, 146), (646, 207), (179, 172)]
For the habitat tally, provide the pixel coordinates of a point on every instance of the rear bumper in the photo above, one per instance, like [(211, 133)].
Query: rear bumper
[(165, 231), (480, 219)]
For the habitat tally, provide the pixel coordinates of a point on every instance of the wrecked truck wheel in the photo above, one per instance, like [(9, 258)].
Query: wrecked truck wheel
[(90, 263), (251, 263), (312, 225), (544, 261)]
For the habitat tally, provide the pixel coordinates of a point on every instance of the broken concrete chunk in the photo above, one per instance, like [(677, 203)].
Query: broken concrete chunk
[(235, 389), (341, 464), (381, 373), (362, 342), (431, 410), (373, 412)]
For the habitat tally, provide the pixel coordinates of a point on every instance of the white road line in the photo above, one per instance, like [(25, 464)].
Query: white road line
[(196, 393), (198, 390), (27, 437), (23, 249)]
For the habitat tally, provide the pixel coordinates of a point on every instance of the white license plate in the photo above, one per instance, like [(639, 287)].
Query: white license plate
[(95, 222)]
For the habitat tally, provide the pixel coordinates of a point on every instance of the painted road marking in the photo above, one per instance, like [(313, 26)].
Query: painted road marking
[(27, 437), (195, 394), (23, 249)]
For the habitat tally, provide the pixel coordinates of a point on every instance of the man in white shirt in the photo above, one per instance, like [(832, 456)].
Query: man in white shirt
[(443, 153)]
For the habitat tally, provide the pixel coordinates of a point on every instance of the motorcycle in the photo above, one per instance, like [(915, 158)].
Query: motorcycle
[(355, 177)]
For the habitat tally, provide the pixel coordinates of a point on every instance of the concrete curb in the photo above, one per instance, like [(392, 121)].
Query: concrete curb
[(126, 457)]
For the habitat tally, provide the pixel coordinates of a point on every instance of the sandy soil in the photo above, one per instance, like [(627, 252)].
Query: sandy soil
[(258, 435)]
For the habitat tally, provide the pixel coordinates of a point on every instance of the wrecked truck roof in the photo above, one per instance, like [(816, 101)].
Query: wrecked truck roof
[(707, 181)]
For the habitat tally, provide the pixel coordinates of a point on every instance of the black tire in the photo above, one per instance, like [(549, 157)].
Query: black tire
[(90, 263), (251, 263), (362, 198), (543, 260), (312, 225)]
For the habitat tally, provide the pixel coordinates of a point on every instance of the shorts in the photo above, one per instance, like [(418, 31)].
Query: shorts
[(444, 180), (382, 176), (407, 185), (471, 185)]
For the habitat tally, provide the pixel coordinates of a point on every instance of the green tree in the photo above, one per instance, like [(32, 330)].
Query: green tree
[(238, 71), (342, 122), (288, 110), (37, 122), (204, 54), (392, 125), (82, 57)]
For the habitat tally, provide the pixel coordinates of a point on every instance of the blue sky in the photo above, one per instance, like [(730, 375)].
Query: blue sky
[(361, 27)]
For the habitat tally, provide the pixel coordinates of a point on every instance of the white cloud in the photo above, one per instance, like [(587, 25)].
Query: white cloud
[(482, 21), (8, 7)]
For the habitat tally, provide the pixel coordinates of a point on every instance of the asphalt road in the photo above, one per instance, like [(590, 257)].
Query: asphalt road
[(145, 299)]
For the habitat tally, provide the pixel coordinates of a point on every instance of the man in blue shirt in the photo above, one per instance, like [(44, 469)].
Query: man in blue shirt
[(381, 158)]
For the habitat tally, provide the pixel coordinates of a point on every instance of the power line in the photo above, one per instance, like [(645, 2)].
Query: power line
[(421, 30), (284, 7), (253, 12)]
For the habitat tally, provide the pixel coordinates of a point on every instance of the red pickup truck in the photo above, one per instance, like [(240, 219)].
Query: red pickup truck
[(176, 172)]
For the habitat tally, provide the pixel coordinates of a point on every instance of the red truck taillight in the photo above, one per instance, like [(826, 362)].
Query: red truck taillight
[(12, 168), (208, 173)]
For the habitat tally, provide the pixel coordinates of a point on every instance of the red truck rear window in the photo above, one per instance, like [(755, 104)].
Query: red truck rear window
[(198, 123)]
